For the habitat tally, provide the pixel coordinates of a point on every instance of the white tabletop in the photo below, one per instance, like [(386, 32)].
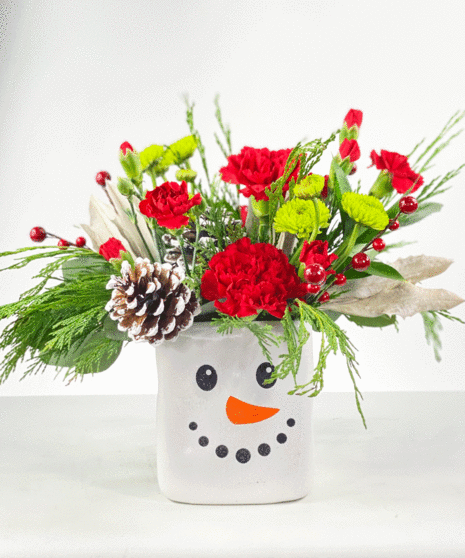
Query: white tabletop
[(78, 479)]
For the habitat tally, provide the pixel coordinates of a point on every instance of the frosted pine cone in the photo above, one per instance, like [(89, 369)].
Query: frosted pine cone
[(150, 302)]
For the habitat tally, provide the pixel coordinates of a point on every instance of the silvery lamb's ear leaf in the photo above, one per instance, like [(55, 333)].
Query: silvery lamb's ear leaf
[(101, 226), (403, 300), (418, 268), (413, 269)]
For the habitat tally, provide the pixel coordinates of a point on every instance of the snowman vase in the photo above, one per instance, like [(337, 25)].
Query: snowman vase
[(223, 435)]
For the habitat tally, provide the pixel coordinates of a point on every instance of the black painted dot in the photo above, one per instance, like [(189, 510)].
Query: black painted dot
[(222, 451), (281, 438), (206, 377), (243, 455), (264, 449), (263, 373), (290, 422), (193, 426), (203, 441)]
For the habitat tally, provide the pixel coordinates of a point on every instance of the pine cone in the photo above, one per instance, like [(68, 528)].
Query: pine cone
[(150, 302)]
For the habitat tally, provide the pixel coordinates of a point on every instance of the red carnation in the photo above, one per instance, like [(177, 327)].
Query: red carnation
[(353, 118), (349, 148), (402, 176), (317, 252), (168, 204), (248, 277), (111, 249), (256, 169)]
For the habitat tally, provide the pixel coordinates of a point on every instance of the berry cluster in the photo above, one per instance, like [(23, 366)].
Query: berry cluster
[(39, 234), (316, 276)]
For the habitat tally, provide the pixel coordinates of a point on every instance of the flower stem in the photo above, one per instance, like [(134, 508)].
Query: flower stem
[(317, 220), (295, 256), (184, 258), (197, 234), (349, 244)]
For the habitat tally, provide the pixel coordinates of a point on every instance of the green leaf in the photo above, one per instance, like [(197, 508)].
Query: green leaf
[(384, 270), (380, 321), (111, 331), (425, 210), (72, 269), (340, 183), (180, 150), (151, 156), (67, 359)]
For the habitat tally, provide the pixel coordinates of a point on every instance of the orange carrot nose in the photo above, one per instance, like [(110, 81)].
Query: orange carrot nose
[(240, 412)]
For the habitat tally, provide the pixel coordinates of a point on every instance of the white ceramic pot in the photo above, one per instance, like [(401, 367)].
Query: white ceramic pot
[(222, 437)]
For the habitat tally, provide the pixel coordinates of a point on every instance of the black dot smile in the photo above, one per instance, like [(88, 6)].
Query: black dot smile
[(243, 455)]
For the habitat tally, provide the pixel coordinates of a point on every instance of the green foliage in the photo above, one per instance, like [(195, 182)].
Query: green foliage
[(442, 140), (384, 270), (195, 133), (263, 332), (424, 210), (379, 321), (333, 339), (227, 149), (433, 327), (62, 325)]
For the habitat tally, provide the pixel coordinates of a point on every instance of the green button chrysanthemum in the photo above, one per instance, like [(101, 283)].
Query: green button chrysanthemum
[(299, 217), (366, 210), (309, 187)]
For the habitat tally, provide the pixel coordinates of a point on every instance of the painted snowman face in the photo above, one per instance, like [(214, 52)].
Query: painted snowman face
[(220, 425), (240, 412)]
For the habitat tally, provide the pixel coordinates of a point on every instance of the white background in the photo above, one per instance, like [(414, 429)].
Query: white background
[(79, 78)]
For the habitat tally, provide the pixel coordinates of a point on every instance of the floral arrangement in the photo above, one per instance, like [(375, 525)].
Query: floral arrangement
[(170, 249)]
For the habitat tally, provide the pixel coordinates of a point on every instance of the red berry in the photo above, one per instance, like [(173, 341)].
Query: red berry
[(80, 241), (125, 146), (315, 274), (340, 279), (354, 169), (312, 289), (378, 244), (324, 297), (101, 178), (361, 261), (408, 205), (394, 224), (37, 234), (62, 244)]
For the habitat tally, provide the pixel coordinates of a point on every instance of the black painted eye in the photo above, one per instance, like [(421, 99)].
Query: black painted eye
[(264, 372), (206, 377)]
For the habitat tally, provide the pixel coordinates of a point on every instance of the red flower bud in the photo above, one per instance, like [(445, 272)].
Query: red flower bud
[(244, 210), (125, 146), (349, 148), (111, 249), (324, 192), (353, 118)]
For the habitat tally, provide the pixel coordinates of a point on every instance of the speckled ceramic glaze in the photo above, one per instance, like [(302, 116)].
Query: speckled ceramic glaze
[(223, 436)]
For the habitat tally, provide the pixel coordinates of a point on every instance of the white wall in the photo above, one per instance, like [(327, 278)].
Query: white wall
[(78, 78)]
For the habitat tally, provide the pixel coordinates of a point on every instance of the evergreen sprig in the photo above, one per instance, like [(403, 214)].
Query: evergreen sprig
[(433, 327)]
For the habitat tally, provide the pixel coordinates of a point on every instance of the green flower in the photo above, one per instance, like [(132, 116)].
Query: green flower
[(299, 217), (366, 210), (309, 187)]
